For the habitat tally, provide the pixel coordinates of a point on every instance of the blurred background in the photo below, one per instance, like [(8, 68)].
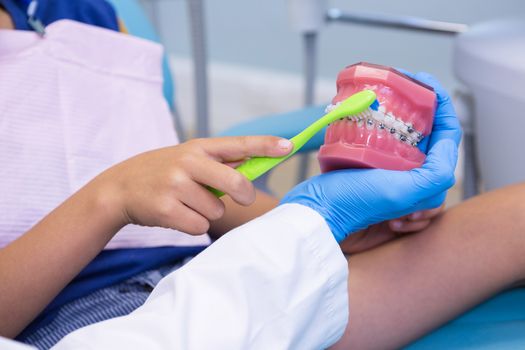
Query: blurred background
[(256, 55)]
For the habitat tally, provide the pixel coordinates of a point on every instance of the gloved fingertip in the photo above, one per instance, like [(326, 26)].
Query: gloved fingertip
[(458, 135), (426, 77), (405, 72), (436, 201), (338, 237), (437, 173), (423, 145), (445, 148)]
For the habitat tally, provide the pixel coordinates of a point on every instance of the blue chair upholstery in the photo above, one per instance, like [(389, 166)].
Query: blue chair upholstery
[(496, 324), (137, 23), (283, 125)]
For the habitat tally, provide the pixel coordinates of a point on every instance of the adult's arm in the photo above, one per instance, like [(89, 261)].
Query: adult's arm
[(277, 282)]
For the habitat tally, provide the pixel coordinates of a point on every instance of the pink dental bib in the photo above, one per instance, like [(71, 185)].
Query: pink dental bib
[(71, 105)]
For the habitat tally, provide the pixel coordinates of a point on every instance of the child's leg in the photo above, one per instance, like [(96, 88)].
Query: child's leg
[(404, 289)]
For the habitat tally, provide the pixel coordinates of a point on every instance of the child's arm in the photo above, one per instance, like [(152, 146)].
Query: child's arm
[(157, 188), (35, 267), (236, 215), (386, 231)]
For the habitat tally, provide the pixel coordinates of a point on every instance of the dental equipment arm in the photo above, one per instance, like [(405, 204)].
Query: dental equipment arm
[(351, 200), (278, 282)]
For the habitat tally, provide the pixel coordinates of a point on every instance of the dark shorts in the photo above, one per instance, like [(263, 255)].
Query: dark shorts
[(103, 304)]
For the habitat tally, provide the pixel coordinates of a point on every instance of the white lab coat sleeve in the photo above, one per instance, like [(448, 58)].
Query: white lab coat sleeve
[(277, 282), (9, 344)]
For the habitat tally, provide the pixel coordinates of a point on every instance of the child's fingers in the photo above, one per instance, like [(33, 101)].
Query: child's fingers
[(403, 226), (366, 239), (425, 214), (414, 222), (224, 178), (230, 149), (202, 201), (180, 217), (236, 164)]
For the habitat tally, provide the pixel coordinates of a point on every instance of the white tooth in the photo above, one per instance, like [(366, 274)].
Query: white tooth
[(399, 125), (403, 128), (389, 120), (369, 124), (411, 139), (380, 117), (382, 109)]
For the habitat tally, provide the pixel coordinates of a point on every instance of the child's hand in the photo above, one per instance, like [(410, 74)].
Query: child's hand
[(414, 222), (383, 232), (165, 187)]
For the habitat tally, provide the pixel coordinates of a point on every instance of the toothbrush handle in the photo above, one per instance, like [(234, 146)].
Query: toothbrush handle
[(253, 168), (257, 166)]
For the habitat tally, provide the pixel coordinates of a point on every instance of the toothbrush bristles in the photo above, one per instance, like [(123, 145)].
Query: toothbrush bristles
[(377, 117)]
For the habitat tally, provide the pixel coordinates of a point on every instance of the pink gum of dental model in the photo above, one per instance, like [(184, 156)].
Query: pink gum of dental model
[(349, 144)]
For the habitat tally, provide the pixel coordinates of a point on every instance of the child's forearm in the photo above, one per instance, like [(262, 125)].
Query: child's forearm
[(38, 265), (236, 215)]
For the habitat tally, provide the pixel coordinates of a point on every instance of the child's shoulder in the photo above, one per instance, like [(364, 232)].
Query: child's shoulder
[(96, 12)]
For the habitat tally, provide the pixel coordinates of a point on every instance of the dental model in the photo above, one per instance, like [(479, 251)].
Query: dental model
[(356, 105), (386, 138)]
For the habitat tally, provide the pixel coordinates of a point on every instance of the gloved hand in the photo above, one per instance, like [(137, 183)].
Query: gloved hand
[(353, 199)]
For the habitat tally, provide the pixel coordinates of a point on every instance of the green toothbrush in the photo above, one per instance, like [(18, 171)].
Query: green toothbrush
[(353, 105)]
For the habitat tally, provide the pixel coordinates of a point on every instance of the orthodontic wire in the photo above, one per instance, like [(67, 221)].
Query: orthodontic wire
[(411, 136)]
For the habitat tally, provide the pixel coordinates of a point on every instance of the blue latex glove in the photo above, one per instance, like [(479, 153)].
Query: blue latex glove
[(350, 200)]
